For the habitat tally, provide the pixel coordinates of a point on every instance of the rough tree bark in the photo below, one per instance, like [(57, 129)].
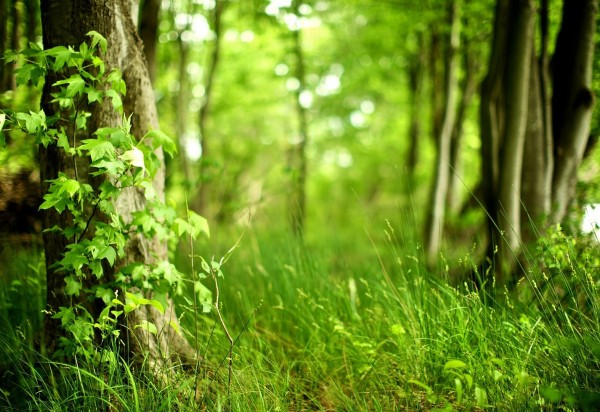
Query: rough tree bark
[(66, 23)]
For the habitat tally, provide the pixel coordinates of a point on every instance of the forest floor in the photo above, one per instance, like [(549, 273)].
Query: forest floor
[(338, 323)]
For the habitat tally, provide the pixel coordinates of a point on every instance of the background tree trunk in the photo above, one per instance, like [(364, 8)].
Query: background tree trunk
[(205, 164), (416, 70), (4, 69), (572, 98), (149, 12), (468, 88), (113, 20), (297, 201), (435, 223), (531, 150), (516, 84)]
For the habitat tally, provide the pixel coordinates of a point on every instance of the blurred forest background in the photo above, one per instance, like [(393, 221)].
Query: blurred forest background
[(345, 144), (321, 116)]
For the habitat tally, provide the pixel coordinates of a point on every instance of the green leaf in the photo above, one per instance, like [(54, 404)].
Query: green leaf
[(421, 385), (93, 95), (454, 364), (199, 224), (458, 386), (149, 326), (81, 121), (106, 294), (149, 190), (75, 85), (98, 39), (109, 254), (481, 397), (552, 395), (160, 139), (98, 149), (157, 305), (73, 285), (175, 326), (73, 259), (116, 80), (203, 293), (96, 268), (70, 186), (116, 100), (181, 227), (61, 56), (62, 140)]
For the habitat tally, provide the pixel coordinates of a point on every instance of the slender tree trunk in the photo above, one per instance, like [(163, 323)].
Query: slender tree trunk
[(536, 187), (31, 19), (182, 107), (572, 99), (148, 28), (202, 198), (435, 224), (4, 18), (511, 156), (113, 20), (416, 69), (297, 201), (437, 77), (468, 87)]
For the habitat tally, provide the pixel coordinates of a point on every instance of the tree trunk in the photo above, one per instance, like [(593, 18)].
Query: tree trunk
[(31, 19), (573, 99), (416, 69), (516, 85), (435, 223), (297, 201), (536, 187), (113, 20), (203, 194), (4, 70), (182, 108), (468, 87), (150, 10)]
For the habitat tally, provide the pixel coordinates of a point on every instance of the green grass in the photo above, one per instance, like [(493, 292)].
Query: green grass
[(339, 324)]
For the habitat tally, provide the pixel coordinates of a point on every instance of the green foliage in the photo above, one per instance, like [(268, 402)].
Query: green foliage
[(98, 234)]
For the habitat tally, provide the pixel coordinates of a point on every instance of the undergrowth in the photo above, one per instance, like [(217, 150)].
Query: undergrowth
[(320, 327)]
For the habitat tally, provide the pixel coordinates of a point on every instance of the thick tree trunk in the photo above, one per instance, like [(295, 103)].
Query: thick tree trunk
[(113, 20), (435, 223), (573, 99)]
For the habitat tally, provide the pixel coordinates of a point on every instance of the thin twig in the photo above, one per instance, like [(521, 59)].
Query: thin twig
[(231, 341)]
